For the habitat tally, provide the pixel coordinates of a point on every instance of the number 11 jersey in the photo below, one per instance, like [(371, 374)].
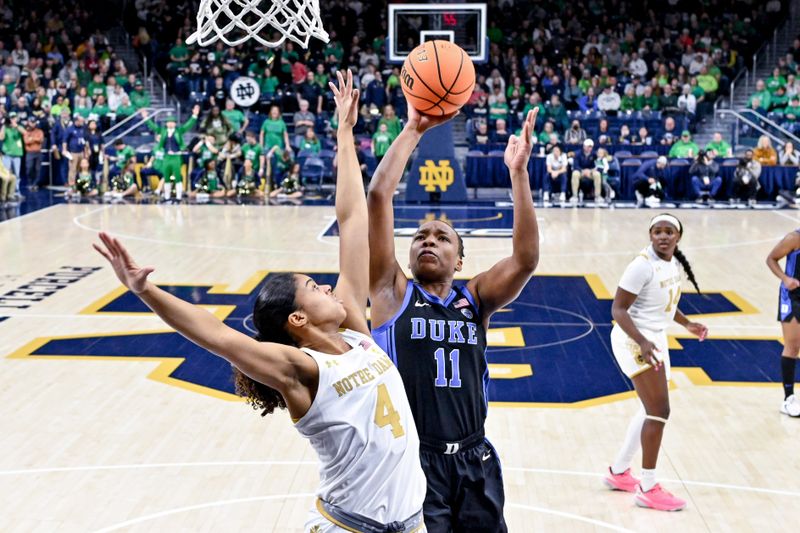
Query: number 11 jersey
[(439, 347)]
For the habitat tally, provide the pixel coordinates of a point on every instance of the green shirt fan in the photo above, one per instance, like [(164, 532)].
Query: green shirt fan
[(236, 21)]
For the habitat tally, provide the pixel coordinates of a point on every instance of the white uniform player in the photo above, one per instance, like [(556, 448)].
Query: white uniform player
[(361, 427), (657, 284)]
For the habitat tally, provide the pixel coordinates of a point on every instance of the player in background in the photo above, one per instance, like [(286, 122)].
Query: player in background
[(788, 314), (645, 305), (435, 332), (342, 391)]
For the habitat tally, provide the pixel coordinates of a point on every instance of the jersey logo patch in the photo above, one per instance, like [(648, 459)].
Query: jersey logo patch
[(463, 302), (467, 313), (421, 304)]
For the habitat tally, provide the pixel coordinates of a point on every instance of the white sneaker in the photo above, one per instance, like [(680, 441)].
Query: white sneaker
[(640, 201), (612, 194), (791, 406), (562, 197), (546, 197)]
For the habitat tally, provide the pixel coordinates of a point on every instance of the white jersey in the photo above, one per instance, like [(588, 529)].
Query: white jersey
[(657, 284), (360, 425)]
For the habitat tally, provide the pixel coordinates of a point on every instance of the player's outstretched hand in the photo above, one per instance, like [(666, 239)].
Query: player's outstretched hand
[(699, 330), (346, 98), (128, 272), (518, 151), (421, 122)]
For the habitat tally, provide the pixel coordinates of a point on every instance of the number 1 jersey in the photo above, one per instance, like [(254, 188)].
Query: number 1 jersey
[(439, 347)]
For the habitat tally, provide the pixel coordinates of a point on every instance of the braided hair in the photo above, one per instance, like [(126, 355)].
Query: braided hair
[(678, 254), (275, 302), (686, 268)]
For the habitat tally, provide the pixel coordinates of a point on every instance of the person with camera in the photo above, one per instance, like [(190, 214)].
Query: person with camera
[(706, 181), (745, 179), (650, 182)]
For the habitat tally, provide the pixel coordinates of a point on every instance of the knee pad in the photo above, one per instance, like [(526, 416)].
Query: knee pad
[(656, 419)]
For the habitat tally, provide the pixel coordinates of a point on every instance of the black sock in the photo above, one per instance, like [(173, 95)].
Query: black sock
[(787, 371)]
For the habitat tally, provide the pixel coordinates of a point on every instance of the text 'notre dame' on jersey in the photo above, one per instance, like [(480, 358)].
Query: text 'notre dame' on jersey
[(439, 348)]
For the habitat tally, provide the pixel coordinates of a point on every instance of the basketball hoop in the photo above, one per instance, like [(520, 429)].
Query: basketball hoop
[(236, 21)]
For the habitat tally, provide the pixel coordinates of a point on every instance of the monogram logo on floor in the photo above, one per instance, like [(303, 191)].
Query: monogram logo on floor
[(551, 346)]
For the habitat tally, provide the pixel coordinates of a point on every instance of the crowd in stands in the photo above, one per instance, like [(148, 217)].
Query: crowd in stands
[(615, 73)]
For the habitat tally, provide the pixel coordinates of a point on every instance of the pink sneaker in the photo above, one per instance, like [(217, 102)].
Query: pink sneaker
[(624, 481), (658, 498)]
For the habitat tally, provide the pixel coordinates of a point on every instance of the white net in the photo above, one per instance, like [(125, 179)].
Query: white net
[(270, 22)]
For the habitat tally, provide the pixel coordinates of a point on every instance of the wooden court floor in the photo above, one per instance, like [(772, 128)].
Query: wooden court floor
[(119, 443)]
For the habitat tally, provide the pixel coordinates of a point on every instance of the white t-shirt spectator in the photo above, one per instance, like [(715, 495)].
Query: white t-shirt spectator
[(688, 102), (608, 101), (555, 163), (638, 67), (20, 57)]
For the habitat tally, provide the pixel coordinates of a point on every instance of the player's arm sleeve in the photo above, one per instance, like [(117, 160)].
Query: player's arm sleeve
[(636, 276)]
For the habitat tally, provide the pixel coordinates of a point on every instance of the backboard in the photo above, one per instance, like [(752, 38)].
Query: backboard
[(413, 24)]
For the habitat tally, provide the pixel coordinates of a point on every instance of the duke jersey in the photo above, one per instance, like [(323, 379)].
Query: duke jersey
[(361, 427), (439, 348), (789, 305)]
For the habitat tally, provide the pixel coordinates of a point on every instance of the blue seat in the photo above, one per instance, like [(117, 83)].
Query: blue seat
[(497, 169), (313, 169)]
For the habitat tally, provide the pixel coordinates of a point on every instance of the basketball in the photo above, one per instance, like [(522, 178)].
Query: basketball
[(438, 77)]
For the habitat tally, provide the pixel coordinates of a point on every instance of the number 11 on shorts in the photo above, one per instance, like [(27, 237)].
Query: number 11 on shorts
[(441, 374)]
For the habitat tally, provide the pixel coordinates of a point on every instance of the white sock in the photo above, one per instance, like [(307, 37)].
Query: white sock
[(633, 441), (179, 190), (167, 190), (648, 479)]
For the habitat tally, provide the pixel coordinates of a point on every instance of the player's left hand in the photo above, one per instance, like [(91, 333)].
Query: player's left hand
[(346, 98), (519, 148), (698, 330)]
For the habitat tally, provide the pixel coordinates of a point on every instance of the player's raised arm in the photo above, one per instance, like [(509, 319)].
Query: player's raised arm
[(503, 282), (351, 211), (275, 365), (386, 278)]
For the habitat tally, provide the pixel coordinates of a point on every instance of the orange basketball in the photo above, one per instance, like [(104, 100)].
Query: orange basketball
[(437, 77)]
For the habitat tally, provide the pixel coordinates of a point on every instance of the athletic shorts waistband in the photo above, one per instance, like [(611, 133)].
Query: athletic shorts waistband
[(450, 448)]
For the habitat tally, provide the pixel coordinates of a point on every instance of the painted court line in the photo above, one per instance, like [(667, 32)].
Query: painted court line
[(215, 464)]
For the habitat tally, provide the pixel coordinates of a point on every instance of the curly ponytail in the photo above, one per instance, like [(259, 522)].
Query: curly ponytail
[(686, 268), (275, 302)]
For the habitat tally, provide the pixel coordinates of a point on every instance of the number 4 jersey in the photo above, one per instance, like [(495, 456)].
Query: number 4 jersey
[(361, 427), (439, 347)]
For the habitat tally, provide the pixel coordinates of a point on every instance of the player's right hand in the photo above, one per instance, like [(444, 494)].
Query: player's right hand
[(129, 273), (649, 351), (791, 283), (421, 122)]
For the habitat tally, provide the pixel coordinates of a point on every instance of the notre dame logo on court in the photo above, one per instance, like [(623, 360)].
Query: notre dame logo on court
[(550, 347), (436, 178)]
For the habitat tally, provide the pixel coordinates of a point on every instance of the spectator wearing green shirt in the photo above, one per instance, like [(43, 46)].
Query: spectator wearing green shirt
[(11, 137), (535, 101), (178, 56), (237, 119), (97, 87), (628, 102), (251, 151), (776, 80), (389, 118), (685, 146), (83, 104), (274, 132), (310, 142), (334, 48), (381, 141), (557, 113), (762, 94), (321, 77), (498, 108), (269, 83), (101, 110), (707, 81), (139, 97), (547, 132), (719, 147), (648, 101), (125, 109)]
